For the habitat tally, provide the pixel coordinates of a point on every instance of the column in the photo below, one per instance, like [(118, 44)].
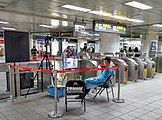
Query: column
[(147, 42), (109, 43)]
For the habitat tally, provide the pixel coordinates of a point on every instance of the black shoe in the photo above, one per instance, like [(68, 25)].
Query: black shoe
[(79, 97)]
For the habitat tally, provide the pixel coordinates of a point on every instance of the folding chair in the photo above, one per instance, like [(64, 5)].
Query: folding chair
[(107, 84), (73, 88)]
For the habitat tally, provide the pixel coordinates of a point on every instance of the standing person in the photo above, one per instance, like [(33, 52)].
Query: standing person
[(137, 53), (69, 52), (130, 52), (34, 53), (85, 47), (97, 81)]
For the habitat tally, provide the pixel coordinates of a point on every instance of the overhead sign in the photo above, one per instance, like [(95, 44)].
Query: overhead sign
[(106, 26), (79, 28), (62, 34), (35, 37)]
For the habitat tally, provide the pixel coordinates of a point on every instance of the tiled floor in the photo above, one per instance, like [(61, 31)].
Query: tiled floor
[(143, 101)]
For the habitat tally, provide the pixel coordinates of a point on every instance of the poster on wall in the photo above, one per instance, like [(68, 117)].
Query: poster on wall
[(153, 47)]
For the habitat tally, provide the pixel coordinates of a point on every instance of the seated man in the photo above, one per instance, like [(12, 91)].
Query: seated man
[(97, 81)]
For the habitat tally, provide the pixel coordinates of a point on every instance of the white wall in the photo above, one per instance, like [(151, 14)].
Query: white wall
[(109, 43)]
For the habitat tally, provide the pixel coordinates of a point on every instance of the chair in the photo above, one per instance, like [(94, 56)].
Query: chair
[(107, 84), (73, 88)]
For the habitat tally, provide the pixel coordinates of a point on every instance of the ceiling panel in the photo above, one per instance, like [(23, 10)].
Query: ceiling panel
[(29, 13), (33, 5), (99, 4)]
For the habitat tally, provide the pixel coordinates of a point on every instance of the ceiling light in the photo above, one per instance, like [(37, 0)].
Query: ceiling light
[(72, 7), (3, 22), (158, 25), (88, 38), (119, 17), (64, 23), (138, 5), (135, 20), (100, 13), (55, 14), (115, 16), (96, 34), (46, 26), (64, 16), (54, 23), (7, 28)]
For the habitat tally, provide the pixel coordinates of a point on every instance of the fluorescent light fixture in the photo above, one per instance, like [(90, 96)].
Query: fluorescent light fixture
[(88, 38), (126, 19), (64, 16), (55, 14), (135, 20), (100, 13), (46, 26), (115, 16), (55, 23), (3, 22), (72, 7), (158, 25), (120, 17), (96, 34), (64, 23), (7, 28), (138, 5)]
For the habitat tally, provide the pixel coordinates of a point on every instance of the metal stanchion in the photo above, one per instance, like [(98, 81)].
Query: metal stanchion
[(55, 113), (12, 84), (118, 99)]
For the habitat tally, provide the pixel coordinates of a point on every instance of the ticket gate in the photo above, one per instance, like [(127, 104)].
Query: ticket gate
[(123, 68), (153, 67), (142, 71), (132, 69), (158, 63), (150, 68)]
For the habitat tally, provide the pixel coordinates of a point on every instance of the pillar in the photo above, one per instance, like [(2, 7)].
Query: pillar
[(147, 42), (109, 43)]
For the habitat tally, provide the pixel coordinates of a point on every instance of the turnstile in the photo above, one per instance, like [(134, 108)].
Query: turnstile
[(159, 61), (150, 68), (142, 71), (132, 69), (123, 67)]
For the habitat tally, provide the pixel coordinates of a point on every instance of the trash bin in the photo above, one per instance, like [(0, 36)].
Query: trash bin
[(132, 69), (142, 71), (123, 67)]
